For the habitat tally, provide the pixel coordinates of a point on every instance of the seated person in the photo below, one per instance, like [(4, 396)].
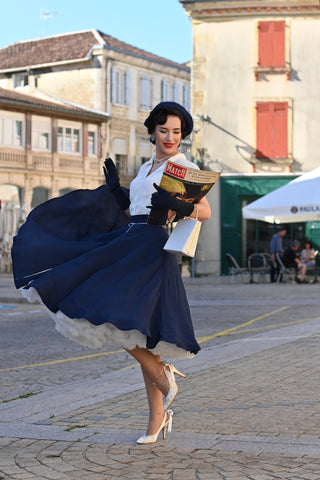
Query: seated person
[(291, 260), (307, 255)]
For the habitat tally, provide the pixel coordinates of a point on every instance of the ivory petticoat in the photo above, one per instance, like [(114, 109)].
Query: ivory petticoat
[(85, 333)]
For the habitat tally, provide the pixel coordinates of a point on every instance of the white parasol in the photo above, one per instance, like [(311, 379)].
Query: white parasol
[(298, 201)]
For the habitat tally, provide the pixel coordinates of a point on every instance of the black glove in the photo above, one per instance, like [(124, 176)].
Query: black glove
[(113, 182), (162, 200)]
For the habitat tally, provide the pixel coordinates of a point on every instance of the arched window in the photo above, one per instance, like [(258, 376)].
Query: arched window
[(63, 191), (39, 195)]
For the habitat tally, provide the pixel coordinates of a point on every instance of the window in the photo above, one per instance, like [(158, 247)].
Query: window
[(92, 144), (17, 133), (145, 92), (39, 195), (272, 130), (10, 193), (272, 44), (20, 80), (41, 133), (92, 140), (120, 86), (12, 131), (69, 139), (64, 191), (121, 162), (169, 92)]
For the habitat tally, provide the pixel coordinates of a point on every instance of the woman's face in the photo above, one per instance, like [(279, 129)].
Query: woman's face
[(168, 137)]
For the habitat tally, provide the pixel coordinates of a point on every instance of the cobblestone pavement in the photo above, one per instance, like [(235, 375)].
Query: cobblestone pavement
[(248, 409)]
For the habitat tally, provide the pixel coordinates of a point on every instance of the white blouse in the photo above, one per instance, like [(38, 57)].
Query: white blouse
[(141, 188)]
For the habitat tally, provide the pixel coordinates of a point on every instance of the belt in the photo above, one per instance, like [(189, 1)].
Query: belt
[(138, 218)]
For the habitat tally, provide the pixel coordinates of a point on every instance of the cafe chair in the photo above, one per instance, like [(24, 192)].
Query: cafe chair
[(235, 269), (258, 267), (285, 271)]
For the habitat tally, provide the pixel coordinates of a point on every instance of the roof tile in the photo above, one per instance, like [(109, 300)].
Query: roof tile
[(60, 48), (67, 47), (14, 97)]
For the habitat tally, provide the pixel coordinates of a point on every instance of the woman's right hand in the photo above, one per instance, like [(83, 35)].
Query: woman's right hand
[(113, 182), (111, 174)]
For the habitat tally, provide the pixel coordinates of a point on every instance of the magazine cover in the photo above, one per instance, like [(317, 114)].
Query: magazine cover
[(188, 184)]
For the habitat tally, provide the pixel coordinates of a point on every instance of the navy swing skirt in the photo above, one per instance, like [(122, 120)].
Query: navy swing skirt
[(102, 276)]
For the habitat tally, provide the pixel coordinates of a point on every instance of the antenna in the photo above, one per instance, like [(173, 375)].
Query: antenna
[(45, 15)]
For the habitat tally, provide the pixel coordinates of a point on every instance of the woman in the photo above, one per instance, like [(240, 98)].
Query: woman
[(307, 255), (110, 281)]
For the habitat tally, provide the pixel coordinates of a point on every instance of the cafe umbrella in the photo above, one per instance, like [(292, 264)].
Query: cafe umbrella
[(297, 201)]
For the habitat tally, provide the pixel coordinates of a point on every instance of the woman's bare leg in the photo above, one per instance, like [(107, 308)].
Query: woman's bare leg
[(156, 384), (155, 404), (152, 367)]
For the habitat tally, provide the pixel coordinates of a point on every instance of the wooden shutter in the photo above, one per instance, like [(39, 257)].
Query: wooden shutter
[(280, 130), (264, 44), (114, 85), (272, 44), (272, 130), (278, 44), (128, 87), (264, 128), (164, 91), (145, 93)]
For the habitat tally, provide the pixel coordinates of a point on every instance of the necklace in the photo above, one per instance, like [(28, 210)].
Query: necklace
[(159, 160)]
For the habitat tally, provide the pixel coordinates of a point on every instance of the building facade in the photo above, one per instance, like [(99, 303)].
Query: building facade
[(255, 94), (46, 149), (93, 69)]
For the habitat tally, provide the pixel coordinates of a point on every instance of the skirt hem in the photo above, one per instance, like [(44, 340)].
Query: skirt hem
[(86, 334)]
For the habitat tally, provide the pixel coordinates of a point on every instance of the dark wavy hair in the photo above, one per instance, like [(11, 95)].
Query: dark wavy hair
[(160, 116)]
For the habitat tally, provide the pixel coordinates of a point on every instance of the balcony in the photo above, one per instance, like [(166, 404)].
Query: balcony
[(46, 162), (286, 70), (13, 158), (272, 165)]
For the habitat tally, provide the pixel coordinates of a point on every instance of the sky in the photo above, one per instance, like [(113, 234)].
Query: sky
[(161, 27)]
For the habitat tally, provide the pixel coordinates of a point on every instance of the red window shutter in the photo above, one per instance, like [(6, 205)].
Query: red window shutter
[(280, 130), (278, 44), (264, 44), (271, 41), (264, 128), (272, 130)]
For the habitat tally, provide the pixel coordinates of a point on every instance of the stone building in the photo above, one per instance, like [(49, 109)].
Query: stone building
[(68, 101), (255, 94), (93, 69), (46, 149)]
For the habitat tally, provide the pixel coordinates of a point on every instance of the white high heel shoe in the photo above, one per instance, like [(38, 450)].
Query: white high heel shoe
[(169, 371), (166, 424)]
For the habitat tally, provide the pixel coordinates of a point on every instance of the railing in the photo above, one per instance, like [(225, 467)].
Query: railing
[(13, 159), (42, 161), (71, 163), (48, 162)]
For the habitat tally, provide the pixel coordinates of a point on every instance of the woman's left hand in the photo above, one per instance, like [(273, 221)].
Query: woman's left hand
[(162, 200)]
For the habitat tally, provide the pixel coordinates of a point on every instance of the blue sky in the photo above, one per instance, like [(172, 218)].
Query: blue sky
[(159, 26)]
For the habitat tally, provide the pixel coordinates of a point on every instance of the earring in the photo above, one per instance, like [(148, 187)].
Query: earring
[(152, 139)]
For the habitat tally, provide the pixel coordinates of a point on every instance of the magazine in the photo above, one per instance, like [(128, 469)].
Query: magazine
[(188, 184)]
